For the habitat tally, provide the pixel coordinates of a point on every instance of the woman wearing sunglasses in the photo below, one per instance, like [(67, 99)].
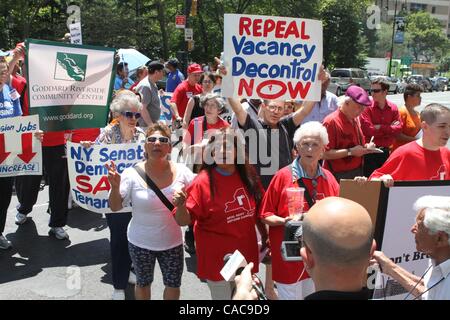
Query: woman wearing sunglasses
[(222, 203), (153, 233), (194, 108), (126, 108)]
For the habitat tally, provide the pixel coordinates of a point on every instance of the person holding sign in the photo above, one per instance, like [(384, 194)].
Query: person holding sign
[(9, 107), (128, 108), (222, 203), (427, 158), (432, 235), (153, 233), (305, 172)]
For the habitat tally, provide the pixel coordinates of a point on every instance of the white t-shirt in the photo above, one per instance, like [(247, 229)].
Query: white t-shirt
[(152, 226)]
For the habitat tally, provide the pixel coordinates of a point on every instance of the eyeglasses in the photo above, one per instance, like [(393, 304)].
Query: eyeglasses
[(164, 140), (130, 114), (376, 90), (207, 81), (275, 108), (305, 145)]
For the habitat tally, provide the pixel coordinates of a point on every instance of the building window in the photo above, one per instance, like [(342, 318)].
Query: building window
[(414, 7), (433, 10)]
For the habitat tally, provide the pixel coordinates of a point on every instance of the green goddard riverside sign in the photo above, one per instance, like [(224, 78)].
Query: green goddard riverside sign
[(69, 86)]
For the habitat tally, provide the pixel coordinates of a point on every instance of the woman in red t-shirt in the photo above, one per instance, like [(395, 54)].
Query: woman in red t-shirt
[(306, 172), (222, 203)]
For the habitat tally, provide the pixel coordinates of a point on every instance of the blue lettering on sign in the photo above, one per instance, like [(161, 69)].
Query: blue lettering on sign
[(115, 155)]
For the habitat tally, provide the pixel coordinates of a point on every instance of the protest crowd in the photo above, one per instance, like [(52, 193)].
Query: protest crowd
[(228, 170)]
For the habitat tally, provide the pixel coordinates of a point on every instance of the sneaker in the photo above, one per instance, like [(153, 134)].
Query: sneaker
[(21, 218), (118, 294), (132, 278), (189, 247), (59, 233), (4, 243)]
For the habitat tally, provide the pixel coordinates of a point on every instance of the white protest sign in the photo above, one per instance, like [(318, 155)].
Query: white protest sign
[(398, 242), (270, 57), (75, 33), (20, 151), (88, 176)]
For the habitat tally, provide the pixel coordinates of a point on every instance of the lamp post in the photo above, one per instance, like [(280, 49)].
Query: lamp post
[(392, 40)]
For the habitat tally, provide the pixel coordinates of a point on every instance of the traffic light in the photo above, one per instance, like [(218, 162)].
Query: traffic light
[(194, 8)]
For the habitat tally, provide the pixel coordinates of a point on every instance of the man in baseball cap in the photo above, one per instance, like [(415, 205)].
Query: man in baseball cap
[(186, 90), (347, 146)]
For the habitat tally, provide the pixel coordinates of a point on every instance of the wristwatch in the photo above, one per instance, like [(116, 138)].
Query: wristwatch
[(349, 153)]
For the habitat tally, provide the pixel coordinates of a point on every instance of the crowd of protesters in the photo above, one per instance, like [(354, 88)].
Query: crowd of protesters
[(231, 196)]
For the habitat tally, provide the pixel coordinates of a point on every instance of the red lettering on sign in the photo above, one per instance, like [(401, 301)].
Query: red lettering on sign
[(270, 84), (102, 185), (299, 88), (257, 27), (279, 31), (260, 28), (269, 26), (247, 86), (83, 184), (244, 26)]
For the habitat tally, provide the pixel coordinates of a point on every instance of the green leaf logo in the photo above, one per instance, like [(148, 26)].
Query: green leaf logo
[(70, 66)]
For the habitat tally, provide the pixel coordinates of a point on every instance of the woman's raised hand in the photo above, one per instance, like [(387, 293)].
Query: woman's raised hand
[(113, 175)]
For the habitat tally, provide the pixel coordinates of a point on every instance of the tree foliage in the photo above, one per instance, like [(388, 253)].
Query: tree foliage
[(426, 36), (343, 24), (149, 25)]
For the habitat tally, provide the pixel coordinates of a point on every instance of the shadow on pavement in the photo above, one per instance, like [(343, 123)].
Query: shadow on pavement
[(31, 253)]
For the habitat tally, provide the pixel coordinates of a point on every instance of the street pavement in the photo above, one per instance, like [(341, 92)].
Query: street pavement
[(41, 267)]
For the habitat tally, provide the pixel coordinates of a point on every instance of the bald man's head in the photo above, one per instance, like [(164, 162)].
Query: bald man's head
[(338, 231)]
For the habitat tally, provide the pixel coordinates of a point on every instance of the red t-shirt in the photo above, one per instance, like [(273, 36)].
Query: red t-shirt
[(373, 115), (343, 134), (195, 129), (413, 162), (20, 83), (275, 203), (223, 224), (88, 134), (183, 93), (53, 138)]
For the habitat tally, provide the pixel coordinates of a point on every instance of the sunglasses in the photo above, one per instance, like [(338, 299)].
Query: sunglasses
[(376, 90), (130, 114), (164, 140)]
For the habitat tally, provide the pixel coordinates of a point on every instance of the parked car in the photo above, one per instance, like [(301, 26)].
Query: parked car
[(438, 84), (423, 81), (342, 78), (441, 85)]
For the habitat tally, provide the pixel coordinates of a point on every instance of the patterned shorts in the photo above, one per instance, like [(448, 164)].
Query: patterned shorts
[(171, 262)]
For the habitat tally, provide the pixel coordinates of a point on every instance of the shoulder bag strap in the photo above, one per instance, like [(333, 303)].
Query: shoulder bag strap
[(154, 187)]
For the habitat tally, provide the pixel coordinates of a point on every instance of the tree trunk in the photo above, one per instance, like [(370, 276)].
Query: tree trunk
[(163, 27)]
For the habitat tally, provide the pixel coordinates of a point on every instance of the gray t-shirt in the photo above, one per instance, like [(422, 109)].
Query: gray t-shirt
[(150, 98)]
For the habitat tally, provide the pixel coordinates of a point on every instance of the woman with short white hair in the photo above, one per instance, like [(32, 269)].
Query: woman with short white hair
[(310, 141), (432, 236)]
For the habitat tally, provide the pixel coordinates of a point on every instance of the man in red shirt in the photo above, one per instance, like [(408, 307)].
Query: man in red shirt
[(186, 90), (380, 123), (347, 144), (427, 158)]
